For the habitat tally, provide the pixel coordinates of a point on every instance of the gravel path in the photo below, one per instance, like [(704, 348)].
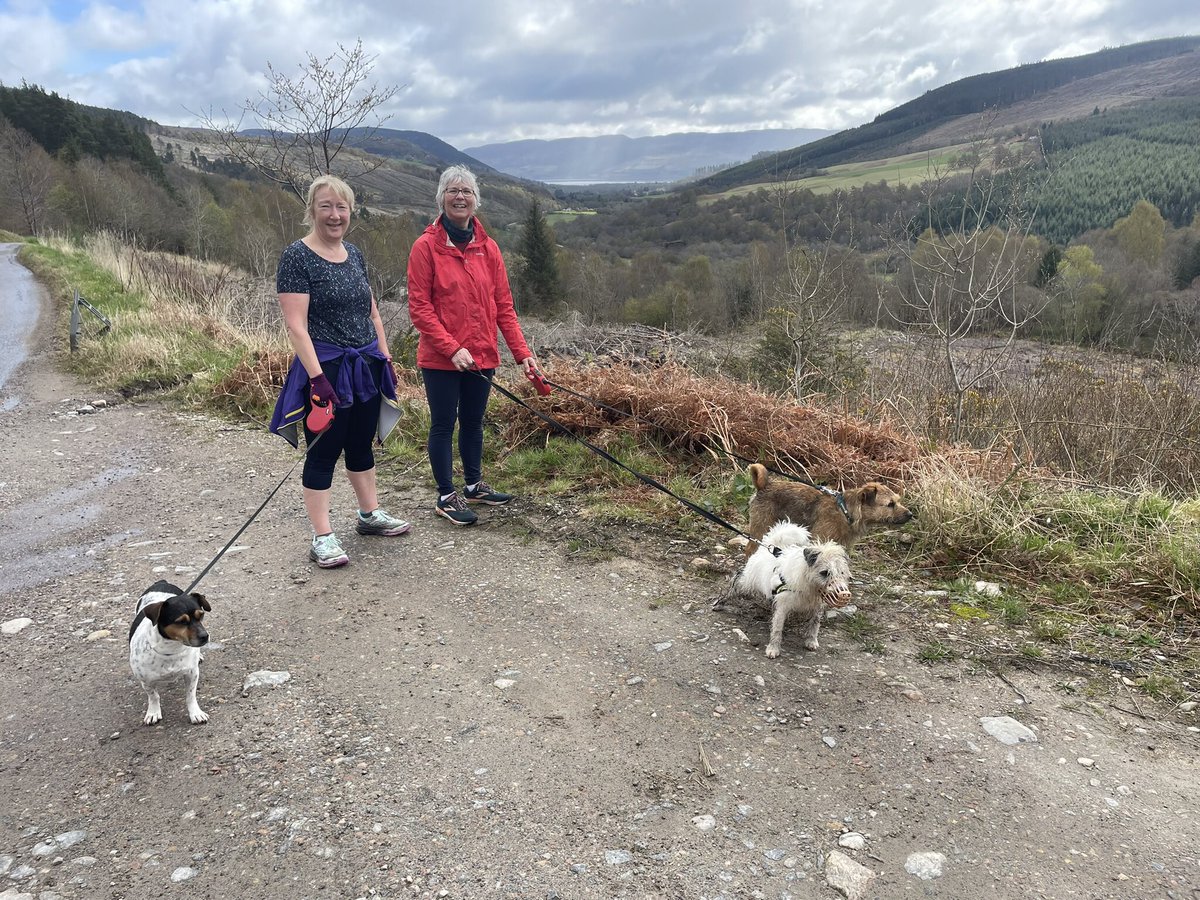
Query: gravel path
[(473, 713)]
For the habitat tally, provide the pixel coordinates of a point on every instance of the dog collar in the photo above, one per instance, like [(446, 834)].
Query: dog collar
[(839, 498)]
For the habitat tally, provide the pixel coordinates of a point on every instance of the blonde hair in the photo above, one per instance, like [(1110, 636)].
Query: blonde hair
[(336, 185)]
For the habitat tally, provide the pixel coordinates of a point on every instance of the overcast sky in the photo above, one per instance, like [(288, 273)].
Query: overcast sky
[(481, 72)]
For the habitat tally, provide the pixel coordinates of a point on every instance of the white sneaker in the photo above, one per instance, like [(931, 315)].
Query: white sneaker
[(326, 551)]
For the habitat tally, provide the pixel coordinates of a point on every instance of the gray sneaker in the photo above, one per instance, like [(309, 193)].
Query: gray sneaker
[(380, 522), (485, 493), (456, 510), (327, 552)]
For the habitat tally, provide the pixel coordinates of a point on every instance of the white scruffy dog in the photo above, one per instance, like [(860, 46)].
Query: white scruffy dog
[(800, 579)]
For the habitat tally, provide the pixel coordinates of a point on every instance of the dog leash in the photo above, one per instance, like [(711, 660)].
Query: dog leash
[(838, 497), (237, 534), (599, 451)]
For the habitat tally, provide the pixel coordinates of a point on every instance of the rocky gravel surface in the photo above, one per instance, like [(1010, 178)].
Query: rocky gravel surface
[(478, 713)]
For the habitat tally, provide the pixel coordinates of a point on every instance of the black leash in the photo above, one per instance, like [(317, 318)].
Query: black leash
[(645, 479), (838, 497), (254, 515)]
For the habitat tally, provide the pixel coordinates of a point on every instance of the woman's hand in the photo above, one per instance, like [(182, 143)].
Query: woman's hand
[(528, 364), (322, 391), (392, 365), (462, 359)]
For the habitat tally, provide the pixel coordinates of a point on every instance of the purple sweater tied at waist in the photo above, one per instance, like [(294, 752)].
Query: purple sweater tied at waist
[(354, 384)]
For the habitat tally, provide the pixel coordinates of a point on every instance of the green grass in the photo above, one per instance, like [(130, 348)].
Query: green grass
[(1053, 630), (936, 652), (860, 628), (906, 169), (567, 215), (1162, 687), (148, 348), (68, 272)]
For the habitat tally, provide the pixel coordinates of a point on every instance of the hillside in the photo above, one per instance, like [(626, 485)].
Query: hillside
[(408, 146), (71, 130), (405, 181), (1018, 98), (617, 158)]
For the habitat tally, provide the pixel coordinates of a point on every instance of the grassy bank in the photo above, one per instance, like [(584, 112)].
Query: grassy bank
[(178, 325), (1102, 572)]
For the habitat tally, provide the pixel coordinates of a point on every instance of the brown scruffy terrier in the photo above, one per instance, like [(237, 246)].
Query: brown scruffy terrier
[(872, 504)]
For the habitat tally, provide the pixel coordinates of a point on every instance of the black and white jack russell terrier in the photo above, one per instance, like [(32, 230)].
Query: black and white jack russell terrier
[(165, 638)]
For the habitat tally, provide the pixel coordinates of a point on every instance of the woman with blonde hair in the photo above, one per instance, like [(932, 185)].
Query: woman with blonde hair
[(342, 362)]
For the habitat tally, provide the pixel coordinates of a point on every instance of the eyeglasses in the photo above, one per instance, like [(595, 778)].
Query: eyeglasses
[(460, 192)]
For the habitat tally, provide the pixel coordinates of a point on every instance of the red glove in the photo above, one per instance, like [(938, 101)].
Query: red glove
[(322, 391)]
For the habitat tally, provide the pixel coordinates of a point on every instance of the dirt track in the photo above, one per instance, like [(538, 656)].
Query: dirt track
[(471, 713)]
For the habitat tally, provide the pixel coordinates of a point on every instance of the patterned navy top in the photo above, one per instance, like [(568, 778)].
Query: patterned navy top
[(339, 294)]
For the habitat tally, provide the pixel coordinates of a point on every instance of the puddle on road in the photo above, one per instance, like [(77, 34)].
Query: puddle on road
[(44, 540), (20, 303)]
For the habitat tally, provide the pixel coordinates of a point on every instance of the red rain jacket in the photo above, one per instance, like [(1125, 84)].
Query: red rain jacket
[(458, 298)]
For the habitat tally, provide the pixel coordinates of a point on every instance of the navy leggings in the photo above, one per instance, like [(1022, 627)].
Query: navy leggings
[(351, 433), (462, 397)]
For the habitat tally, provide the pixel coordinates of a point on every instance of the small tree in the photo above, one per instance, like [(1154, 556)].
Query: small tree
[(1079, 295), (26, 176), (306, 120), (974, 249), (1142, 234), (809, 289), (538, 286)]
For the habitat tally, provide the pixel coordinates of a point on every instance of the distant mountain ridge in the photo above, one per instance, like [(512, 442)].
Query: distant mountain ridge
[(617, 158), (411, 146)]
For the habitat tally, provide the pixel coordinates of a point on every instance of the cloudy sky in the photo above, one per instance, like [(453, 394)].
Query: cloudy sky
[(479, 72)]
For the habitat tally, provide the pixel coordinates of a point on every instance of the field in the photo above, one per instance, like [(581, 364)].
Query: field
[(907, 169)]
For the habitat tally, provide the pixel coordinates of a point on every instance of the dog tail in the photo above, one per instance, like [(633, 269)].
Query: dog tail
[(758, 475)]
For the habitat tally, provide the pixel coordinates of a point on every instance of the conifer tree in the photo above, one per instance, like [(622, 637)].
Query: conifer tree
[(538, 286)]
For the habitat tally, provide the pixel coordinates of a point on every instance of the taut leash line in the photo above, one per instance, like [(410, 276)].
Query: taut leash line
[(254, 515), (837, 496), (645, 479)]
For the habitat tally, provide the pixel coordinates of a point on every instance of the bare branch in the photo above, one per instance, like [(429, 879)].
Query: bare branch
[(304, 122), (965, 267)]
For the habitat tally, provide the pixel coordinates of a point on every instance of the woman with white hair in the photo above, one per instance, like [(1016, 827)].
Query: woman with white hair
[(458, 296)]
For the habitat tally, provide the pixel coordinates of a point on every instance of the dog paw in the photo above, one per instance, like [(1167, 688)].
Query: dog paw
[(811, 644), (152, 718), (198, 716), (772, 651)]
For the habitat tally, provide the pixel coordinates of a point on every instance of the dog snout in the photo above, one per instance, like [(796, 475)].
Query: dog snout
[(838, 595), (199, 636)]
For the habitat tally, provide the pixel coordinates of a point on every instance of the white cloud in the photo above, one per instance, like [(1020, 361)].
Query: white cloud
[(504, 70)]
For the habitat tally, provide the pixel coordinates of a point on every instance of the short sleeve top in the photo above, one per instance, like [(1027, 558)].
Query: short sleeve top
[(339, 294)]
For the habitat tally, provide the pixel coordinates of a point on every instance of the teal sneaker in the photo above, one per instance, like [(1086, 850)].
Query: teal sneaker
[(485, 493), (326, 551), (380, 522)]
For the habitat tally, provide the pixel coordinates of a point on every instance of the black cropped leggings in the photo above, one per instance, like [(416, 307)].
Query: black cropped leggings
[(350, 434)]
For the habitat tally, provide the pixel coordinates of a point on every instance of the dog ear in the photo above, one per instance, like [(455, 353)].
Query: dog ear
[(869, 492), (810, 555), (153, 610), (203, 603)]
